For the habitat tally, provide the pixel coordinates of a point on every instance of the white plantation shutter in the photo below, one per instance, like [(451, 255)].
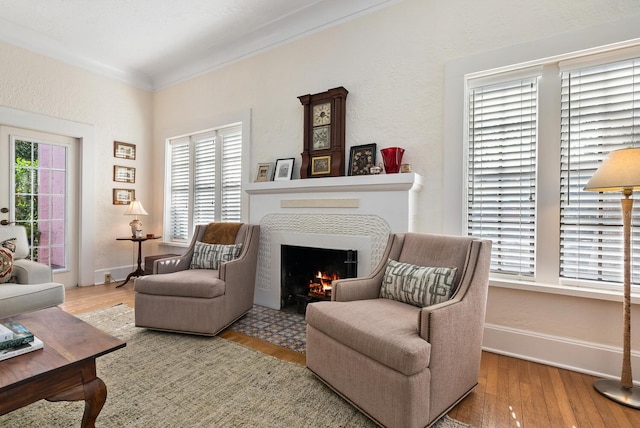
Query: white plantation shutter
[(205, 180), (231, 173), (501, 172), (179, 190), (600, 113)]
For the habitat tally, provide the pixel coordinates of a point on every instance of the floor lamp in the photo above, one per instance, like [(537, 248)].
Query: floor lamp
[(620, 171)]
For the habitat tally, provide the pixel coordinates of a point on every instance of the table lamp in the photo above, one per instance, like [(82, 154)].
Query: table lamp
[(620, 171), (135, 208)]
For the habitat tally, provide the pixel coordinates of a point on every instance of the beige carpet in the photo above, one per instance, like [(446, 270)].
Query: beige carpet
[(170, 380)]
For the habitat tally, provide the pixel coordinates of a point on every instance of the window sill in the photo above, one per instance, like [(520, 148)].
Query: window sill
[(563, 290)]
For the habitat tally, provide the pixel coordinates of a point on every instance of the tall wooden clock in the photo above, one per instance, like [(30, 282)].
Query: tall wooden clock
[(323, 154)]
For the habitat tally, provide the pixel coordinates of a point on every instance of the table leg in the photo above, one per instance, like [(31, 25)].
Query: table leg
[(139, 271)]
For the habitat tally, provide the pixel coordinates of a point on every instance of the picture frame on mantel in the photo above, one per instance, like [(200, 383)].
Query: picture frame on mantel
[(362, 158), (265, 172), (284, 169)]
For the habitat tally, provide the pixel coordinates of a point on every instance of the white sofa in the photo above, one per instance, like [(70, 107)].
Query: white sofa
[(33, 288)]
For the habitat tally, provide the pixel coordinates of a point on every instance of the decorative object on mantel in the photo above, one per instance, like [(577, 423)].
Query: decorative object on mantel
[(135, 208), (284, 169), (362, 158), (265, 172), (392, 158), (406, 167), (375, 170), (324, 133), (620, 171)]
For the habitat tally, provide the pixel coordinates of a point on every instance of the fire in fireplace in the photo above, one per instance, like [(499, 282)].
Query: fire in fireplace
[(307, 273)]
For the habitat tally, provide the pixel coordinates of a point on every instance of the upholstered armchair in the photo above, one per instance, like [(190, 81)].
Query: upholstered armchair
[(187, 294), (30, 286), (405, 364)]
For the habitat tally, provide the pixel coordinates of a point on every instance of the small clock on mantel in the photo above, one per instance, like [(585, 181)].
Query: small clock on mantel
[(324, 119)]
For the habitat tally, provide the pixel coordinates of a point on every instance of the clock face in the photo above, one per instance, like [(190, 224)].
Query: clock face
[(320, 138), (322, 114)]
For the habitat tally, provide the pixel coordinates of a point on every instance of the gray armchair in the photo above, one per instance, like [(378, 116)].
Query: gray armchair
[(400, 364), (198, 301)]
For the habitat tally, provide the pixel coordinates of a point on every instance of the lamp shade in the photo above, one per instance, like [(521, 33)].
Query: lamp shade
[(620, 170), (135, 208)]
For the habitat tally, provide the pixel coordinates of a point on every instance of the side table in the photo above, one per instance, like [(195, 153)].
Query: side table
[(139, 271)]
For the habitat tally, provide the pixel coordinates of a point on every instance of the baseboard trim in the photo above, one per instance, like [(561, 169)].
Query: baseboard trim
[(580, 356)]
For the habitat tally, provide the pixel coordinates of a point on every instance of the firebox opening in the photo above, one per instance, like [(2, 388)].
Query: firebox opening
[(307, 273)]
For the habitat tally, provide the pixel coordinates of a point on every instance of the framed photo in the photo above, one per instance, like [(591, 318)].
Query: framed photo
[(320, 165), (284, 169), (123, 196), (265, 172), (362, 159), (124, 150), (124, 174)]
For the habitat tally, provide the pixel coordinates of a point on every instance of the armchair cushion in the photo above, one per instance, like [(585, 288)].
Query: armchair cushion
[(382, 329), (417, 285), (209, 256), (200, 283)]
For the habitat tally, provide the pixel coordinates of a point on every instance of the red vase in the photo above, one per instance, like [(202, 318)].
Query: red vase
[(392, 158)]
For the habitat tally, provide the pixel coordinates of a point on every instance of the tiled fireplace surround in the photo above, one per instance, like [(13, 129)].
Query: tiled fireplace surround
[(338, 212)]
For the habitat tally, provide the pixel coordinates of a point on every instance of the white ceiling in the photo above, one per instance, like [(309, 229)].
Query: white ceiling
[(155, 43)]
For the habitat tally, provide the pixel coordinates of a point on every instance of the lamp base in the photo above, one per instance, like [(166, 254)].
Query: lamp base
[(613, 390)]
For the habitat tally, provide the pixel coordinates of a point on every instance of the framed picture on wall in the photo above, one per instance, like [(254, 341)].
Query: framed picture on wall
[(284, 169), (123, 196), (124, 150), (124, 174)]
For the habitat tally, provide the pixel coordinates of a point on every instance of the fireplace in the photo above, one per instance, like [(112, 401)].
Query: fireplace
[(307, 273)]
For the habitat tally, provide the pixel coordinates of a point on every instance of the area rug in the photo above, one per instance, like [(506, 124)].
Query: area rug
[(171, 380)]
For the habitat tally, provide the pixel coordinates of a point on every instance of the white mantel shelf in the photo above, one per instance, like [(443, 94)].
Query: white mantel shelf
[(361, 183)]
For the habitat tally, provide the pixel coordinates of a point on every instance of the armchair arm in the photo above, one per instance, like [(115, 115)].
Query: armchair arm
[(30, 272), (240, 273), (171, 264), (344, 290)]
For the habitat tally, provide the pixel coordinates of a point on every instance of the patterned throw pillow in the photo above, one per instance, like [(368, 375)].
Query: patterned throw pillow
[(417, 285), (6, 259), (209, 256)]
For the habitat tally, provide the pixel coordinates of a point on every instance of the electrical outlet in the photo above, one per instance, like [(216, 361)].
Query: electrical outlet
[(107, 278)]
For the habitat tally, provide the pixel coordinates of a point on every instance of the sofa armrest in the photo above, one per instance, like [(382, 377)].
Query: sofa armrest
[(171, 264), (30, 272)]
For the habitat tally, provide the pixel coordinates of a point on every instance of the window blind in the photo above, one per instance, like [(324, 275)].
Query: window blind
[(599, 114), (501, 179), (205, 180)]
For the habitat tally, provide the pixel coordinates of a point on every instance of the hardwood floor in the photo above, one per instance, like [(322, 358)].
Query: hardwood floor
[(511, 392)]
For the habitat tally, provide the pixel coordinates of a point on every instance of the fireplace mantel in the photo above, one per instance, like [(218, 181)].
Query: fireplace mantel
[(361, 183), (334, 212)]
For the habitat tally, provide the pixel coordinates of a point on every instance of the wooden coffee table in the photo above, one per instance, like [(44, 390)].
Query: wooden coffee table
[(65, 370)]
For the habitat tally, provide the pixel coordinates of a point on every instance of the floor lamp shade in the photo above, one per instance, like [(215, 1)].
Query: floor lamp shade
[(135, 208), (620, 171)]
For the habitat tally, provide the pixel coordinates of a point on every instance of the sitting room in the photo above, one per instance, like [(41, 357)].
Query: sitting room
[(320, 213)]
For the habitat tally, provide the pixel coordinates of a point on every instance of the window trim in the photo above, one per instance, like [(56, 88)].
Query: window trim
[(243, 118), (554, 49)]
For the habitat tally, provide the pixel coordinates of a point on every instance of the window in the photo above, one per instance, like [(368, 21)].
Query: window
[(204, 180), (598, 115), (587, 107), (501, 193)]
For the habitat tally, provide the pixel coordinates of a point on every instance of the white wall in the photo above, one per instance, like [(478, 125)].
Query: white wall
[(393, 63), (63, 98)]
